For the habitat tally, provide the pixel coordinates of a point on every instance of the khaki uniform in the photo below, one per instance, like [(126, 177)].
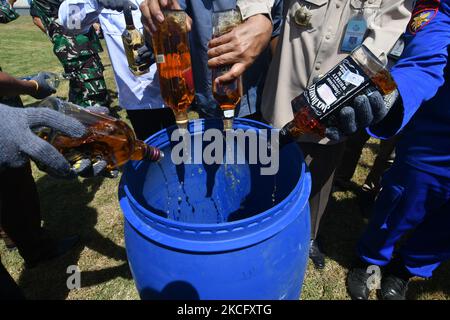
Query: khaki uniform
[(305, 53), (250, 8)]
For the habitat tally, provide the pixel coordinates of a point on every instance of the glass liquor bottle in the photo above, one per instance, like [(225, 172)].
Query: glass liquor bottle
[(133, 40), (228, 94), (173, 59), (350, 78), (107, 138)]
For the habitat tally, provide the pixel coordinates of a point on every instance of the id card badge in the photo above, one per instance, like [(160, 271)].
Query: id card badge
[(354, 33)]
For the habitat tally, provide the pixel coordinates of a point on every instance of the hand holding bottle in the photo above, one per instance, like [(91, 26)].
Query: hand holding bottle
[(145, 56), (43, 86), (357, 93), (87, 168), (107, 144), (18, 143), (240, 47), (366, 110), (152, 14)]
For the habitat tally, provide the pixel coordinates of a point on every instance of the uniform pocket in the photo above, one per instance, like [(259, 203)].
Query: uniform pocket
[(365, 4), (369, 8)]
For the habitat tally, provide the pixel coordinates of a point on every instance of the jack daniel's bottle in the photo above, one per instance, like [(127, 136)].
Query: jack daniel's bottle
[(107, 138), (132, 40), (314, 108)]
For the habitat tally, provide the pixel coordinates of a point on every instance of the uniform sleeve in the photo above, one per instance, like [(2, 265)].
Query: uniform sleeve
[(420, 71), (277, 17), (250, 8), (33, 11), (77, 16), (387, 26)]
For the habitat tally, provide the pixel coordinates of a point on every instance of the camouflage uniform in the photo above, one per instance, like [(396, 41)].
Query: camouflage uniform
[(7, 14), (78, 54)]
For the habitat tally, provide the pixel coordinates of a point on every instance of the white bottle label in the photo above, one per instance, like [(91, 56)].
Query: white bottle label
[(352, 78), (326, 94), (228, 113)]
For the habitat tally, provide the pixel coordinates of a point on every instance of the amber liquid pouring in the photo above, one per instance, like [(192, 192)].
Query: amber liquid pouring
[(227, 95)]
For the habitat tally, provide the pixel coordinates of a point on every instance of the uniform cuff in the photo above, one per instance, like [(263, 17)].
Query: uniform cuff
[(251, 9)]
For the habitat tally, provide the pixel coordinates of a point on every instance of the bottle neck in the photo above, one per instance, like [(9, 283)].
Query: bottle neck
[(228, 117), (128, 19), (181, 118), (143, 151), (287, 134)]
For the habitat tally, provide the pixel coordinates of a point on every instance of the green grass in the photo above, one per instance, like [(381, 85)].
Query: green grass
[(90, 208)]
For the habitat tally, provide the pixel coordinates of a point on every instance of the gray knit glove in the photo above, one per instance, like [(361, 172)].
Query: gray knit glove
[(366, 110), (18, 143), (44, 88)]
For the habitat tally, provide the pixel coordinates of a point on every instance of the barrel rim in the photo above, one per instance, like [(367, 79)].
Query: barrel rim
[(171, 231)]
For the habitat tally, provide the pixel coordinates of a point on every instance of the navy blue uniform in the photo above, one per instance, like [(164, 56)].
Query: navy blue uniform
[(416, 191)]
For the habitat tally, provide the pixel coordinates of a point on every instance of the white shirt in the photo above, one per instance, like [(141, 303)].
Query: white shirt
[(135, 92)]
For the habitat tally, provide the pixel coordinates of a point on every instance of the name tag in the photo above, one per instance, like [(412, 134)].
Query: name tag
[(354, 33)]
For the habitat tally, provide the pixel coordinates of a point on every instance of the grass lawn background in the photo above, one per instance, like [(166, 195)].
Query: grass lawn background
[(90, 208)]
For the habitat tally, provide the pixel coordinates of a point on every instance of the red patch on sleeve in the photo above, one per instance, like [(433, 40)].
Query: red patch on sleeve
[(423, 13)]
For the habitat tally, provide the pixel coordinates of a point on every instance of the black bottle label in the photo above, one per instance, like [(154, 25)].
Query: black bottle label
[(339, 85)]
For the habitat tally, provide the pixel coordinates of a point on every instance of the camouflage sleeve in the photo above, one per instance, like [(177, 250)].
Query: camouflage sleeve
[(7, 14)]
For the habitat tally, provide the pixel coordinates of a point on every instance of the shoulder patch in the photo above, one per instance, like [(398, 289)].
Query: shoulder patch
[(423, 13)]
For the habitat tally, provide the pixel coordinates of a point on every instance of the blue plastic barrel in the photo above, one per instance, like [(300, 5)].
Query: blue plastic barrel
[(219, 231)]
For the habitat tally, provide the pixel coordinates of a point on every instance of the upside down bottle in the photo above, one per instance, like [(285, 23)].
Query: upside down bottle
[(314, 108), (228, 94), (107, 138), (173, 58)]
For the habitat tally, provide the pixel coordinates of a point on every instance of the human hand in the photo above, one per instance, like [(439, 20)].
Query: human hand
[(87, 167), (240, 47), (145, 56), (152, 13), (18, 143), (366, 110), (43, 87)]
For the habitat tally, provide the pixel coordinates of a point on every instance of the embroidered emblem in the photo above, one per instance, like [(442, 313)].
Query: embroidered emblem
[(303, 16), (424, 12)]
